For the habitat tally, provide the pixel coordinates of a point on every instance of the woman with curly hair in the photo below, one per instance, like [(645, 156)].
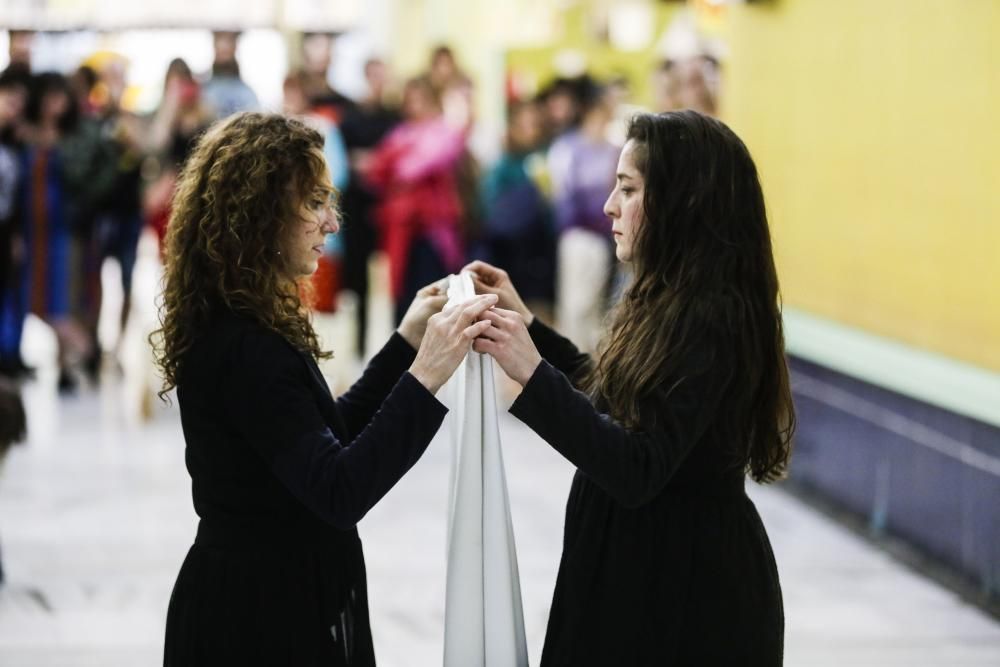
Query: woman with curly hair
[(665, 560), (281, 471)]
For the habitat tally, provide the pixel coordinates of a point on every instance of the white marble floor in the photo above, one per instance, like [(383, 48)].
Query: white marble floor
[(95, 519)]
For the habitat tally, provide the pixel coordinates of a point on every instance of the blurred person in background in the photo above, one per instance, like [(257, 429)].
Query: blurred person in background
[(582, 166), (560, 103), (296, 103), (89, 171), (84, 82), (117, 210), (224, 91), (52, 117), (19, 50), (688, 83), (363, 127), (518, 230), (12, 427), (665, 560), (13, 99), (317, 54), (413, 172), (281, 471), (444, 72), (178, 121), (456, 93)]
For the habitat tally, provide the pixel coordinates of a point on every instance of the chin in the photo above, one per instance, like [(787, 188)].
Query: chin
[(306, 270)]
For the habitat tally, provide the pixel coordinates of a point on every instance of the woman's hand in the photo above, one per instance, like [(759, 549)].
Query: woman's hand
[(447, 340), (489, 279), (507, 340), (428, 301)]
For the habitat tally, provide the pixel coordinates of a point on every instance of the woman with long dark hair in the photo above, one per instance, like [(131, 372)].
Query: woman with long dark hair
[(281, 471), (665, 559)]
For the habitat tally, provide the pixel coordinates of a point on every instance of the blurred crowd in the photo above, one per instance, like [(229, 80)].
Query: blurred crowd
[(81, 177)]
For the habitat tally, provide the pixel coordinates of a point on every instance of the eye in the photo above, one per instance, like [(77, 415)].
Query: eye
[(321, 202), (627, 190)]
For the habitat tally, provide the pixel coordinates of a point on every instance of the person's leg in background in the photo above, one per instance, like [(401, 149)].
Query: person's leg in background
[(130, 227), (583, 265), (359, 239), (423, 267), (6, 275), (12, 425)]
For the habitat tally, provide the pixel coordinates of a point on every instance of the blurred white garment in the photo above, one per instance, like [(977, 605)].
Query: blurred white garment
[(484, 623), (584, 268)]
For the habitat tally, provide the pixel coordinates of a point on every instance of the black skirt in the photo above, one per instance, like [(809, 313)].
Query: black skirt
[(272, 604)]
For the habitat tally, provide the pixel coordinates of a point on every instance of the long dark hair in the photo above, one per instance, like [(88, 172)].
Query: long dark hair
[(703, 267)]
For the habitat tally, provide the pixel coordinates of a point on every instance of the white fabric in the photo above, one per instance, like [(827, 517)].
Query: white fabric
[(484, 623)]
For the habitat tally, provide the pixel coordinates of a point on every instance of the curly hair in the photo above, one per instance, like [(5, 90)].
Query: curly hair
[(236, 199), (703, 267)]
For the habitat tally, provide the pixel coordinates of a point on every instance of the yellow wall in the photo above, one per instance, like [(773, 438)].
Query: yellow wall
[(876, 128)]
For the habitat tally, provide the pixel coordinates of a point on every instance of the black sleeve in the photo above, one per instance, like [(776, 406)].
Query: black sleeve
[(560, 351), (358, 405), (275, 410), (632, 466)]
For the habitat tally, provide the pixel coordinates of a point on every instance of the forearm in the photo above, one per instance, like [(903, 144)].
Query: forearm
[(631, 466), (560, 351), (342, 483), (360, 402)]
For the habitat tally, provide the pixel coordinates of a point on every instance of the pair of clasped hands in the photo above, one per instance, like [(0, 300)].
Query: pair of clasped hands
[(494, 322)]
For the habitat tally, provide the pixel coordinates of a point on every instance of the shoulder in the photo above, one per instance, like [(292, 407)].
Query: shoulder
[(239, 342), (253, 342)]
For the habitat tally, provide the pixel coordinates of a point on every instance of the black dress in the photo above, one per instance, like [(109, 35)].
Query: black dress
[(665, 560), (281, 473)]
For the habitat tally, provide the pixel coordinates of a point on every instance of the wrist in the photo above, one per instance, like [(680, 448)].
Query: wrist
[(425, 378), (411, 336), (529, 372)]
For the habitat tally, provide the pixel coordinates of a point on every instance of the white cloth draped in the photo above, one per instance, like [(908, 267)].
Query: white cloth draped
[(484, 624)]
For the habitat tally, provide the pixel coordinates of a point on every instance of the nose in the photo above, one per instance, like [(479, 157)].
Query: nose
[(331, 225), (610, 209)]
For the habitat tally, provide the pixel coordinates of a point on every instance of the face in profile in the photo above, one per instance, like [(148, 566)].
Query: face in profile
[(418, 102), (624, 205), (561, 108), (377, 75), (525, 129), (55, 103), (307, 235), (12, 103)]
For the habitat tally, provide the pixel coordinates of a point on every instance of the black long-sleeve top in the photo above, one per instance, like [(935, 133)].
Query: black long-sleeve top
[(665, 560), (281, 472)]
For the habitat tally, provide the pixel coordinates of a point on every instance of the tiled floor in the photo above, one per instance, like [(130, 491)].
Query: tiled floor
[(95, 518)]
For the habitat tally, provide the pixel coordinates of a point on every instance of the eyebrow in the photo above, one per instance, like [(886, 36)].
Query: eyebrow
[(623, 177)]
